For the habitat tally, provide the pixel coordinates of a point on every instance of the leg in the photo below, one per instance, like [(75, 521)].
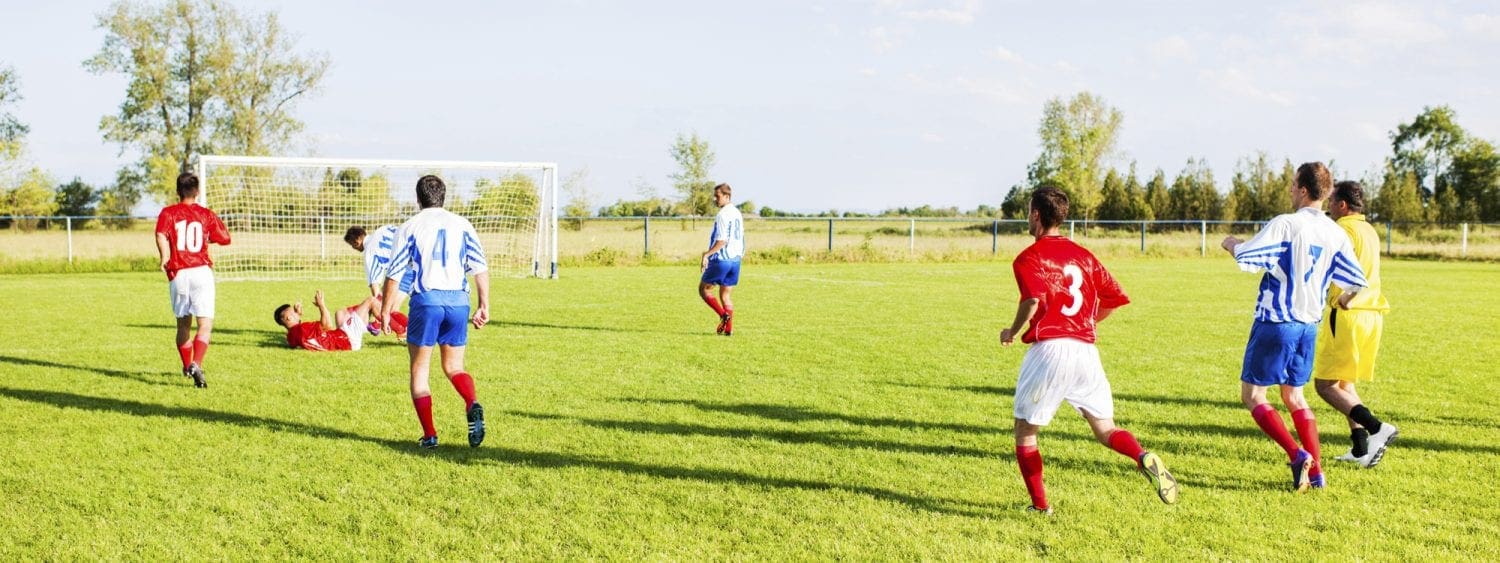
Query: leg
[(184, 342), (1265, 415), (1149, 464), (725, 293), (421, 394), (705, 292), (455, 334), (1307, 429), (453, 367), (1030, 460), (200, 344)]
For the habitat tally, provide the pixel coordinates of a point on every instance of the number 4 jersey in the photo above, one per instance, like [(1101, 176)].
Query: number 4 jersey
[(189, 228), (1070, 287)]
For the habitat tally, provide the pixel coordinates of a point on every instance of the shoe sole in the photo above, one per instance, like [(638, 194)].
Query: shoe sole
[(476, 425), (200, 379), (1304, 478), (1155, 471), (1379, 453)]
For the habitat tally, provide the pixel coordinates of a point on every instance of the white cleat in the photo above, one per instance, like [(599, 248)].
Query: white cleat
[(1348, 457), (1379, 441)]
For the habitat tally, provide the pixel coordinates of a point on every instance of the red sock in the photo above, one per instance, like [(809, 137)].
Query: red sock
[(729, 323), (398, 323), (200, 349), (424, 414), (1307, 432), (1030, 461), (714, 304), (465, 387), (1270, 422), (187, 355), (1123, 442)]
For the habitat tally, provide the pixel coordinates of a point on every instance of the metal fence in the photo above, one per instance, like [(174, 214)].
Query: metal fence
[(624, 239)]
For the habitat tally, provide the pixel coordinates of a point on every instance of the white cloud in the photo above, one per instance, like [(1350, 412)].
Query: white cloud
[(1006, 55), (957, 13), (867, 72), (1173, 48), (1371, 131), (1484, 25), (1065, 67), (1353, 32), (1240, 83), (882, 40)]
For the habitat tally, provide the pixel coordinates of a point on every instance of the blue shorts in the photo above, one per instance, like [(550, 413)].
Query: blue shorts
[(438, 317), (1279, 354), (722, 272)]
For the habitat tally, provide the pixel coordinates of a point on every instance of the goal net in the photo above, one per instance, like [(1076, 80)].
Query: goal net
[(288, 216)]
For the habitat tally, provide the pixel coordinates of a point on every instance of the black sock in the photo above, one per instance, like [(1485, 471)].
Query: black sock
[(1362, 416), (1361, 439)]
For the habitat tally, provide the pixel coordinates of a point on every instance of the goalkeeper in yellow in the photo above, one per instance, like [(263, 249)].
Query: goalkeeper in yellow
[(1349, 339)]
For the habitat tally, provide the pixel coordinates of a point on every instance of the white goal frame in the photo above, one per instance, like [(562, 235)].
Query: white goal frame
[(544, 245)]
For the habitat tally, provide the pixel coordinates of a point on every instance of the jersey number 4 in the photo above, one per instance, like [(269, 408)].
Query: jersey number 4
[(189, 236), (1075, 283)]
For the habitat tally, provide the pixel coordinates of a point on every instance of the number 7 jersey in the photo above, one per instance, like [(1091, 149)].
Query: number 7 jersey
[(1070, 286), (189, 228)]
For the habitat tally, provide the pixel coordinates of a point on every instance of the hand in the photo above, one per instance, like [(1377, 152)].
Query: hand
[(1345, 299), (703, 267), (1229, 243), (318, 298), (481, 316), (297, 308), (385, 324), (1007, 337)]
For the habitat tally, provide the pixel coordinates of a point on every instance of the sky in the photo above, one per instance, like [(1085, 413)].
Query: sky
[(849, 105)]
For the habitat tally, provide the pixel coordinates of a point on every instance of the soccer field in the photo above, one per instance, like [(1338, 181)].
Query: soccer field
[(860, 411)]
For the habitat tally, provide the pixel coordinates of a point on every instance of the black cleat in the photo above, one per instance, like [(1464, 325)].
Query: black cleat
[(427, 442), (723, 320), (196, 372), (476, 425)]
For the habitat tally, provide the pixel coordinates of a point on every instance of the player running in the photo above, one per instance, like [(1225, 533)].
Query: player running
[(377, 257), (1301, 253), (1065, 293), (330, 333), (1346, 350), (721, 263), (440, 249), (183, 232)]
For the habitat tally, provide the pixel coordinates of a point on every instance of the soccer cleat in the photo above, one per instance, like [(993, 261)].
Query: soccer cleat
[(1155, 470), (1316, 481), (196, 372), (728, 324), (374, 328), (1042, 511), (1301, 465), (1348, 457), (427, 442), (1379, 441), (476, 425), (723, 319)]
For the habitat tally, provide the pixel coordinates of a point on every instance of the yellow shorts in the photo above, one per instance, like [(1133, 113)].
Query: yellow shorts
[(1347, 344)]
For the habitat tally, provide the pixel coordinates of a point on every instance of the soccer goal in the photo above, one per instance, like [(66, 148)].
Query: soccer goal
[(288, 216)]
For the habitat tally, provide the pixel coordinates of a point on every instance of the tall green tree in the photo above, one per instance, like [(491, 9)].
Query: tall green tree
[(32, 196), (1398, 198), (1193, 194), (76, 198), (1078, 137), (1425, 147), (1475, 177), (203, 78), (12, 129), (694, 177), (1157, 198), (1114, 202), (1017, 203)]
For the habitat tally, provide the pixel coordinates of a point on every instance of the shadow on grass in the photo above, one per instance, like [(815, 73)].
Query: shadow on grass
[(788, 413), (508, 456), (1009, 391), (627, 330), (1403, 441), (834, 439), (257, 338), (152, 378), (217, 329)]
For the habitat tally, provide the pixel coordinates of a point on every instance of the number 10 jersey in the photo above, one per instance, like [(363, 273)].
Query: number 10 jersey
[(1070, 286), (189, 228)]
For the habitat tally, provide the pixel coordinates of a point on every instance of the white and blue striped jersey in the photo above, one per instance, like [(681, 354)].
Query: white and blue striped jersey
[(380, 244), (440, 248), (1300, 253), (729, 226)]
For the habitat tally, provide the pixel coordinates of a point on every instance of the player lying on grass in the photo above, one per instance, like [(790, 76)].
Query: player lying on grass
[(721, 263), (377, 255), (183, 233), (1301, 253), (1065, 292), (331, 332)]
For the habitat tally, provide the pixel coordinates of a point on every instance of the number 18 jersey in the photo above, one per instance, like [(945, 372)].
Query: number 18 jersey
[(189, 228), (1070, 286)]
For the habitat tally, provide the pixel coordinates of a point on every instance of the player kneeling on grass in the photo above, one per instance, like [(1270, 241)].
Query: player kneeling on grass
[(330, 333), (441, 249), (1065, 292), (721, 263)]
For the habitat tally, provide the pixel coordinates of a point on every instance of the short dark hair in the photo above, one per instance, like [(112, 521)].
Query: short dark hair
[(187, 185), (431, 191), (280, 311), (1351, 193), (1316, 178), (1051, 205), (354, 233), (724, 188)]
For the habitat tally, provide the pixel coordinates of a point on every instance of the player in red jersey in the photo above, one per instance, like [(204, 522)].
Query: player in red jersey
[(1065, 292), (331, 332), (183, 232)]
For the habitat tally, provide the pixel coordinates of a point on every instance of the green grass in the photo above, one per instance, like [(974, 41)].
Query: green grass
[(860, 411)]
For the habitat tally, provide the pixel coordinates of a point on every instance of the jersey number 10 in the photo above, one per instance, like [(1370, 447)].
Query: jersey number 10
[(189, 236)]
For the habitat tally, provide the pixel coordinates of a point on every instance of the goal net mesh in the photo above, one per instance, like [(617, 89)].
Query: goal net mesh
[(287, 216)]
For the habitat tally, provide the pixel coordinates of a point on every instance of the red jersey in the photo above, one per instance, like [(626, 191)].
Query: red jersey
[(1070, 286), (312, 336), (189, 228)]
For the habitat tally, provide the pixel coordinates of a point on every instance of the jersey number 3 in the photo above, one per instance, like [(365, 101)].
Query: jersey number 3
[(1075, 282), (189, 236)]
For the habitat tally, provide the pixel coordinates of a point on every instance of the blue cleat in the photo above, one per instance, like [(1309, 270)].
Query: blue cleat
[(1301, 465), (427, 442), (476, 425), (1316, 481)]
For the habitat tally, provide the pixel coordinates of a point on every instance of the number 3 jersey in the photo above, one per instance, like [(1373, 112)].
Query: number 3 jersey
[(1070, 287), (189, 228), (1301, 253)]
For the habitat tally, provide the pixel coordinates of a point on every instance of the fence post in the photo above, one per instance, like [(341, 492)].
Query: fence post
[(1463, 247), (1070, 230), (1143, 237), (995, 237), (70, 239), (322, 237), (1202, 238), (646, 243), (830, 235), (911, 245), (1388, 238)]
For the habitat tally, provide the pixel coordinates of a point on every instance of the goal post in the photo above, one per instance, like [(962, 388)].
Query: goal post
[(287, 216)]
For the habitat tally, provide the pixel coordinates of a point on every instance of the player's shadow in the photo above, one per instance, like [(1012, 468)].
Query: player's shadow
[(255, 338), (217, 329), (1403, 441), (589, 328), (834, 439), (1010, 391), (152, 378), (509, 456), (788, 413)]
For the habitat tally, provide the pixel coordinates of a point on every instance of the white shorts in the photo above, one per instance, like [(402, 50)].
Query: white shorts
[(1062, 369), (355, 328), (192, 291)]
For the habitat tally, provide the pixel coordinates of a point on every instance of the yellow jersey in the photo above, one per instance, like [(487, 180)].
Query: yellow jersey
[(1367, 252)]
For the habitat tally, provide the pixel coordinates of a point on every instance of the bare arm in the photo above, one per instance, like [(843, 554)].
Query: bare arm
[(1103, 313), (164, 249), (387, 306), (718, 245), (1024, 312), (325, 318), (482, 312)]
